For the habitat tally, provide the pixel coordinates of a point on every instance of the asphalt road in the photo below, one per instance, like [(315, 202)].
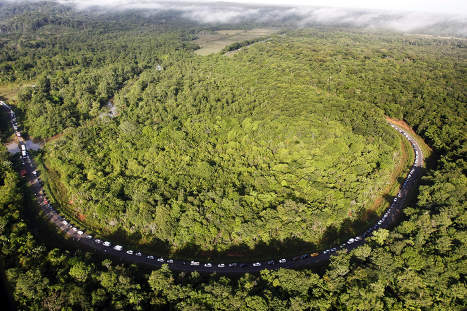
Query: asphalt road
[(305, 260)]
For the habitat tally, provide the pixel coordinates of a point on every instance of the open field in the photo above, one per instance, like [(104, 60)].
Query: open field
[(214, 41), (9, 91)]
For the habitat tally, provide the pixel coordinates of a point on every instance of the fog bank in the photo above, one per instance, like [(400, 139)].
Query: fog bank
[(208, 12)]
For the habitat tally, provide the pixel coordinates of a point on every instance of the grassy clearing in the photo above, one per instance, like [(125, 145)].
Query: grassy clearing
[(214, 41), (9, 91)]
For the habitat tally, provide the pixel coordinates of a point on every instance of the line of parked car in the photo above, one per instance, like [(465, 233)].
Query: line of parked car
[(66, 225)]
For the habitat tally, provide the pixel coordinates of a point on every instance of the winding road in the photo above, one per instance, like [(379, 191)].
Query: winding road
[(106, 247)]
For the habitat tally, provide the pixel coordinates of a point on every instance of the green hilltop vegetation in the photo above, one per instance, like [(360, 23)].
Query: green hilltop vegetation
[(283, 142), (217, 153)]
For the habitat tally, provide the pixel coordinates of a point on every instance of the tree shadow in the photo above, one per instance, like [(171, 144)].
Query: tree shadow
[(292, 247), (5, 128), (333, 236), (273, 249), (132, 240)]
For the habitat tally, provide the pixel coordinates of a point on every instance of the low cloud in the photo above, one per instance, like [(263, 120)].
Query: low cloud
[(209, 12)]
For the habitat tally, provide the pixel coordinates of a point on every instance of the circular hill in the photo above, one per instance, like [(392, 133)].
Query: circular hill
[(227, 157), (123, 253)]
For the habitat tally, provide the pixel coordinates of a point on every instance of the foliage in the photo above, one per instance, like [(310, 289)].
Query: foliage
[(219, 153), (238, 45), (174, 130)]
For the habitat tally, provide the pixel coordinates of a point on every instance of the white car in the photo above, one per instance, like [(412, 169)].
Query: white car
[(80, 232), (139, 254), (170, 261), (129, 252), (283, 260), (194, 263), (89, 237), (221, 265), (106, 243), (74, 229), (150, 257), (98, 241), (160, 259), (65, 222), (208, 265), (118, 247), (256, 264)]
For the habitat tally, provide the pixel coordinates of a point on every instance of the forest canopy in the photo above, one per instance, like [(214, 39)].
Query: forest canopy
[(226, 152)]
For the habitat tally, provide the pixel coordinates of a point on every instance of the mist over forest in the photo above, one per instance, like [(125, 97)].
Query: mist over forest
[(225, 13)]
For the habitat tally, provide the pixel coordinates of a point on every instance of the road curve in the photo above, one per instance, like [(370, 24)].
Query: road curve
[(105, 247)]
